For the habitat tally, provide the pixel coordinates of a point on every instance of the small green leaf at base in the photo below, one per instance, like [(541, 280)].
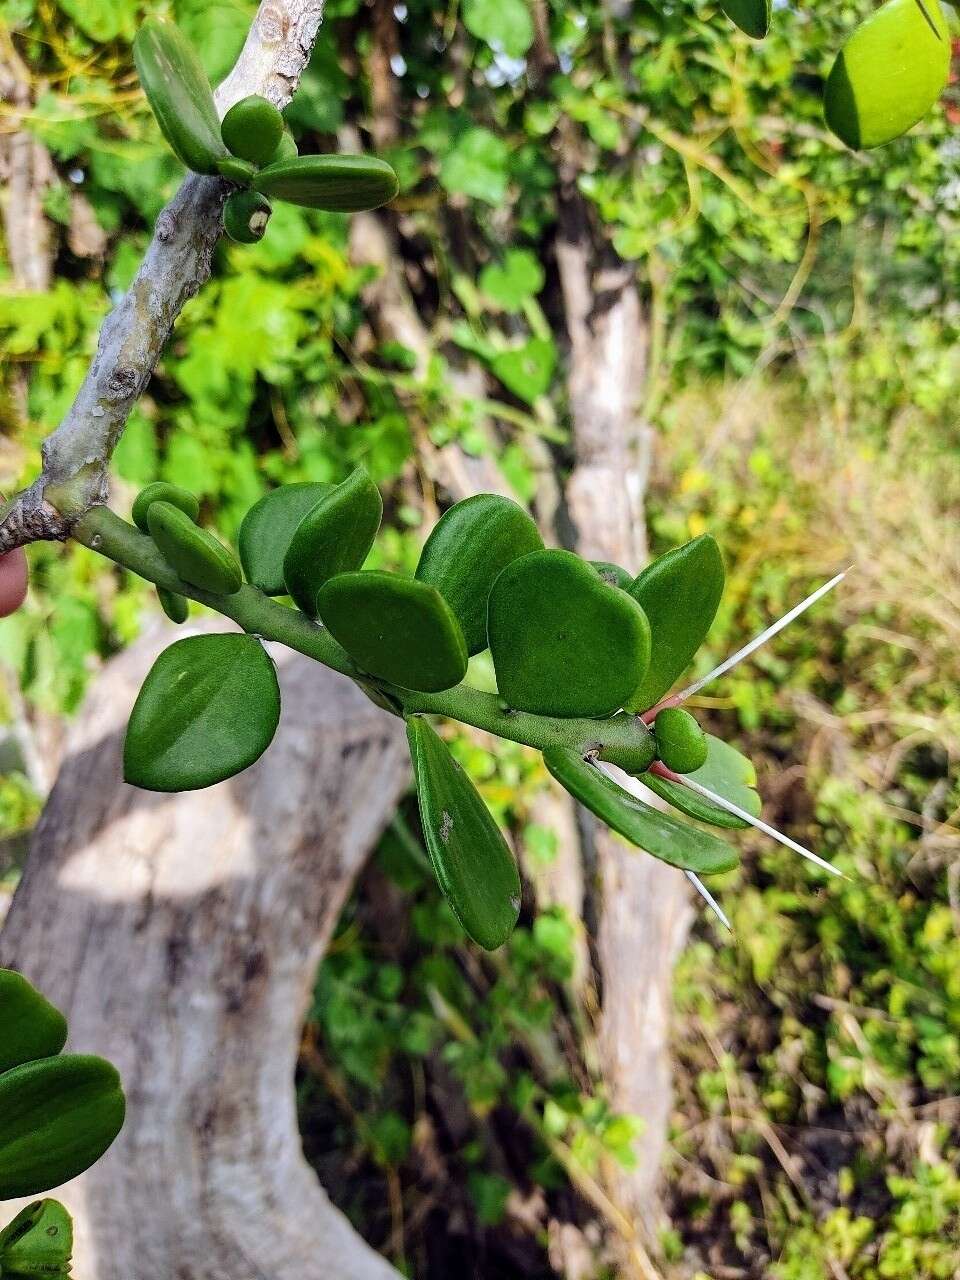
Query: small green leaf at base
[(176, 607), (208, 709), (472, 861), (681, 743), (195, 555), (268, 529), (188, 503), (395, 628), (727, 773), (246, 215), (656, 833), (252, 129), (334, 537), (32, 1027)]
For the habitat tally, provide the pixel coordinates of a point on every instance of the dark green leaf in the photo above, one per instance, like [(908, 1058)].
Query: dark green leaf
[(334, 537), (681, 743), (32, 1027), (252, 129), (728, 773), (187, 502), (267, 531), (179, 93), (473, 863), (338, 183), (680, 593), (657, 833), (195, 555), (471, 544), (177, 608), (889, 73), (57, 1118), (751, 16), (395, 628), (208, 709), (246, 215), (565, 643)]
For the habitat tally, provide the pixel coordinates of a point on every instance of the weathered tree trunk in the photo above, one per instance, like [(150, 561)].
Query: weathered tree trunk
[(181, 936)]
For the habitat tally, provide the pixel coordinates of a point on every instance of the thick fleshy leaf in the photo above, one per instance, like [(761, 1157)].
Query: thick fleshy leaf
[(472, 861), (564, 642), (31, 1027), (470, 546), (267, 531), (656, 833), (252, 129), (751, 16), (334, 537), (179, 94), (613, 574), (680, 593), (57, 1118), (176, 607), (208, 709), (395, 628), (337, 183), (681, 743), (38, 1242), (728, 773), (889, 73), (195, 555), (161, 492)]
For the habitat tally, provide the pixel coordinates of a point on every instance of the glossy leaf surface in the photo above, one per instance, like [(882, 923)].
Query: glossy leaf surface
[(564, 642), (57, 1118), (252, 129), (395, 628), (467, 550), (337, 183), (656, 833), (728, 773), (267, 531), (30, 1026), (472, 861), (187, 502), (208, 709), (680, 593), (681, 743), (195, 555), (179, 94), (889, 73), (335, 536)]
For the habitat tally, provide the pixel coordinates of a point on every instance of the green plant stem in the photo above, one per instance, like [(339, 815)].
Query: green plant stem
[(622, 740)]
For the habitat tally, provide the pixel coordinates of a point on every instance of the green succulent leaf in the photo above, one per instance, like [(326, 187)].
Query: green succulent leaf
[(57, 1118), (337, 183), (613, 574), (32, 1027), (564, 642), (680, 593), (187, 502), (252, 129), (245, 216), (176, 607), (195, 555), (208, 709), (726, 772), (889, 73), (397, 629), (681, 743), (179, 94), (472, 861), (38, 1242), (656, 833), (267, 531), (751, 16), (242, 172), (334, 537), (467, 550)]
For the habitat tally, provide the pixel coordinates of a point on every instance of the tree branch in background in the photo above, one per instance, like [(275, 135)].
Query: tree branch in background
[(178, 261)]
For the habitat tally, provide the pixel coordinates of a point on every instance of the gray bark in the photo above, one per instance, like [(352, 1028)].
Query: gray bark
[(181, 935)]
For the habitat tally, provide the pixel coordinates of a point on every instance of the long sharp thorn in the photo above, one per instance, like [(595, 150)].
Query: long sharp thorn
[(709, 899), (755, 644), (761, 826)]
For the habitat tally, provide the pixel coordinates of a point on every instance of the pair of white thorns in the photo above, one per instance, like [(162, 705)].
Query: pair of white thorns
[(635, 788)]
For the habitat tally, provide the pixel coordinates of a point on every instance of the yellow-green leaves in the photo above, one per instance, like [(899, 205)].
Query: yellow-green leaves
[(657, 833), (179, 94), (679, 593), (57, 1117), (338, 183), (268, 529), (397, 629), (472, 543), (195, 555), (889, 73), (564, 642), (38, 1242), (208, 709), (472, 861), (727, 773), (335, 536), (252, 129), (681, 743), (751, 16), (30, 1027)]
